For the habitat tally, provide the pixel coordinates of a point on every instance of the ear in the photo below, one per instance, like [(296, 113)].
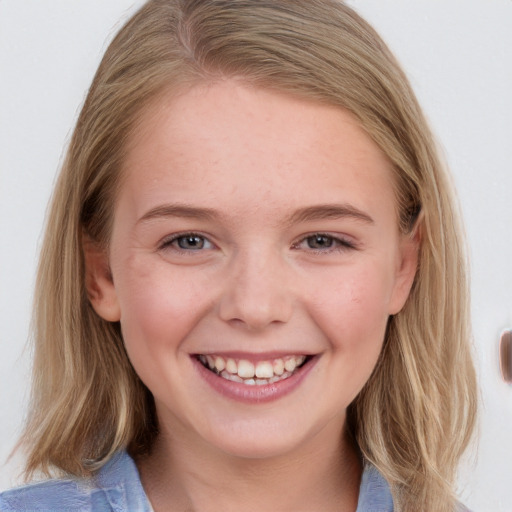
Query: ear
[(98, 281), (407, 266)]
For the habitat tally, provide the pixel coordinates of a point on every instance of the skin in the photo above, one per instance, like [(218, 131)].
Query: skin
[(258, 283)]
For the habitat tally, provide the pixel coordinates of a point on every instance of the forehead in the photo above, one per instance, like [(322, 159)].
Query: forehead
[(240, 140)]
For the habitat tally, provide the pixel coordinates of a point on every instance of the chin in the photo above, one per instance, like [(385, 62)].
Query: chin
[(268, 438)]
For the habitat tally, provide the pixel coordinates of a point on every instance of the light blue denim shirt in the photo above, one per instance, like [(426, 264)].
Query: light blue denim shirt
[(117, 488)]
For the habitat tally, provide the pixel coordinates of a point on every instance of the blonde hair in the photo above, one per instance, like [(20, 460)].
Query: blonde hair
[(416, 414)]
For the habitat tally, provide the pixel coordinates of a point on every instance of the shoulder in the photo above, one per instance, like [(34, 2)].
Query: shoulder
[(116, 487), (374, 492), (57, 495)]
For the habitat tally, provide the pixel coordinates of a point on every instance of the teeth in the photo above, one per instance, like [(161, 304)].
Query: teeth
[(278, 367), (220, 364), (230, 376), (264, 370), (231, 366), (245, 369), (290, 364), (261, 373)]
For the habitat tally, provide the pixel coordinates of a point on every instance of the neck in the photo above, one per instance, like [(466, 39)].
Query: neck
[(185, 476)]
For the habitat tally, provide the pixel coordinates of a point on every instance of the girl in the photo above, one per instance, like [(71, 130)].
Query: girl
[(252, 291)]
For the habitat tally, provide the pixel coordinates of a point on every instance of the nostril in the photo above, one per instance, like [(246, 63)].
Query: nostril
[(257, 293), (255, 313)]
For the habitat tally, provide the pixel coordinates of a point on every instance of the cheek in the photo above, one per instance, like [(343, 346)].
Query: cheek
[(353, 309), (158, 307), (353, 316)]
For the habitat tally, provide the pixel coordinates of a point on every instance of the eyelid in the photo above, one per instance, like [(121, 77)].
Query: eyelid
[(166, 242), (342, 242)]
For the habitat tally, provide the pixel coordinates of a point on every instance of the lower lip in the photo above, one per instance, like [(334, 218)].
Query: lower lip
[(256, 393)]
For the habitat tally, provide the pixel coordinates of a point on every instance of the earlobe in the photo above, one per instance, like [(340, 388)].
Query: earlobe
[(98, 281), (407, 267)]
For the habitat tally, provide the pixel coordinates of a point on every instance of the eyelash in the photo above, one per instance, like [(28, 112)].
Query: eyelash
[(338, 244), (172, 242)]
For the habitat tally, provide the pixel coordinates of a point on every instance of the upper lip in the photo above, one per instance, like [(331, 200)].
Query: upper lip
[(255, 356)]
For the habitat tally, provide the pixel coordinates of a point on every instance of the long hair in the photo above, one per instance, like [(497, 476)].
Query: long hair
[(415, 416)]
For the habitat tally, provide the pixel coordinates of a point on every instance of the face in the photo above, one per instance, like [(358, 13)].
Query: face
[(255, 259)]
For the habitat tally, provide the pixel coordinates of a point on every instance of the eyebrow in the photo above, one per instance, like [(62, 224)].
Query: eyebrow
[(329, 211), (179, 210), (310, 213)]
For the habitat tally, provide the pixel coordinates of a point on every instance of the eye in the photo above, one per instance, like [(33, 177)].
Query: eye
[(322, 242), (188, 242)]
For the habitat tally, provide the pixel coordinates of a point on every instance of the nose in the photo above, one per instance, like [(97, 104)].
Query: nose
[(257, 292)]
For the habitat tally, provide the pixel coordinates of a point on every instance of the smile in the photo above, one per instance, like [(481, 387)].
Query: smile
[(258, 373)]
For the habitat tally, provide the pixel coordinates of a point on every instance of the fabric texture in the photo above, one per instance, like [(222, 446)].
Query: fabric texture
[(117, 488)]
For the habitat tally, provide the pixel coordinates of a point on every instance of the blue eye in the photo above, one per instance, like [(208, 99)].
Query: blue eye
[(191, 242), (188, 242), (321, 242)]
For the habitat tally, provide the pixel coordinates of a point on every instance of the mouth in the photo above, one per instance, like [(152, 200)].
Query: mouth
[(254, 373)]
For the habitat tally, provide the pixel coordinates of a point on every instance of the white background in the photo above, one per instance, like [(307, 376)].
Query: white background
[(458, 55)]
